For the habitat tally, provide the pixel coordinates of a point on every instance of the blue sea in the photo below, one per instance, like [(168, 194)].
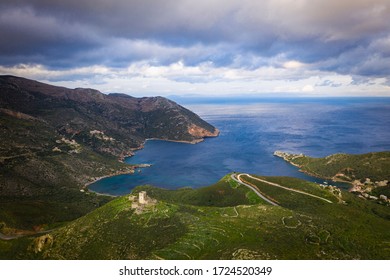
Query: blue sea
[(251, 130)]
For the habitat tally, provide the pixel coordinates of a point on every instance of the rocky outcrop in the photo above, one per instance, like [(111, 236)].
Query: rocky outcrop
[(17, 115), (200, 132), (289, 157), (42, 242)]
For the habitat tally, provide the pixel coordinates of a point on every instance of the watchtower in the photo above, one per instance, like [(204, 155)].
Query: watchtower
[(142, 198)]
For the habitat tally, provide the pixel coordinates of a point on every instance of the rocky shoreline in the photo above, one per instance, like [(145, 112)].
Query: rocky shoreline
[(290, 157), (195, 141), (129, 170)]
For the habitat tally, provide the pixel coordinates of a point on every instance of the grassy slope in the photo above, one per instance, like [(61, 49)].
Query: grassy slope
[(348, 168), (186, 225), (376, 166)]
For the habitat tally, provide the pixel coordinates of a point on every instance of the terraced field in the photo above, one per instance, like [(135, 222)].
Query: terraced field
[(224, 221)]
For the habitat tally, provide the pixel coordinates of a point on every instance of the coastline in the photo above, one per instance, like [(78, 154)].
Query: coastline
[(196, 141), (321, 177), (285, 157), (86, 188), (141, 165), (131, 153), (102, 194)]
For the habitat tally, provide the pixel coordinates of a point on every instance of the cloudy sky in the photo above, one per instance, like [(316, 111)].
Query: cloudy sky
[(205, 47)]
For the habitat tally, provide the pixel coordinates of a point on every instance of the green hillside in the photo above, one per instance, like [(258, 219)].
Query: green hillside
[(40, 184), (346, 167), (369, 173), (55, 140), (223, 221)]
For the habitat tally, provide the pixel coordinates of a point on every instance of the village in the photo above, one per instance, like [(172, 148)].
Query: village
[(363, 190)]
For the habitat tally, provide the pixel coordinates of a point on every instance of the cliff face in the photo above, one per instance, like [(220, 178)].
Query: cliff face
[(200, 132), (124, 121)]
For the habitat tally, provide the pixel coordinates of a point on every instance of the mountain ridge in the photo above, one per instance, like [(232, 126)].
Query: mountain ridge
[(55, 140), (137, 118)]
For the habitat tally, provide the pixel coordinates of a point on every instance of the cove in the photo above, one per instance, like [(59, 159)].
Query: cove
[(250, 133)]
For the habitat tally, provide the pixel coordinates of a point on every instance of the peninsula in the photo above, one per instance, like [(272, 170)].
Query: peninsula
[(368, 174)]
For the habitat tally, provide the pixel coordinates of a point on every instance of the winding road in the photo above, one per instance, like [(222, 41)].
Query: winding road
[(238, 179), (7, 237), (11, 237)]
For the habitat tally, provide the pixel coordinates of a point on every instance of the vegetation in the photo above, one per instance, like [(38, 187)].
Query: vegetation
[(111, 124), (40, 186), (55, 140), (220, 194), (344, 167), (184, 224), (369, 173)]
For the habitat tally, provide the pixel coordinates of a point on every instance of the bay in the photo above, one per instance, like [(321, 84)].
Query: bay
[(251, 130)]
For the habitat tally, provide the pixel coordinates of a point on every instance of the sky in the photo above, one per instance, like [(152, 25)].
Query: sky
[(201, 48)]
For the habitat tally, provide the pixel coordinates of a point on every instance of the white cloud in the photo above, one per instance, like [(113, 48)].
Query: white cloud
[(308, 88), (293, 64), (145, 79)]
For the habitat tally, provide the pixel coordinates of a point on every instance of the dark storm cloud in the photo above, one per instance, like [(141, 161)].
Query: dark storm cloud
[(28, 36), (343, 36)]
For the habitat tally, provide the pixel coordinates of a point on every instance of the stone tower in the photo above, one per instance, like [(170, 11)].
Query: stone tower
[(142, 198)]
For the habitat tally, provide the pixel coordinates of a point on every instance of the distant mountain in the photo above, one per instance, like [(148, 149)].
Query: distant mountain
[(54, 140)]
